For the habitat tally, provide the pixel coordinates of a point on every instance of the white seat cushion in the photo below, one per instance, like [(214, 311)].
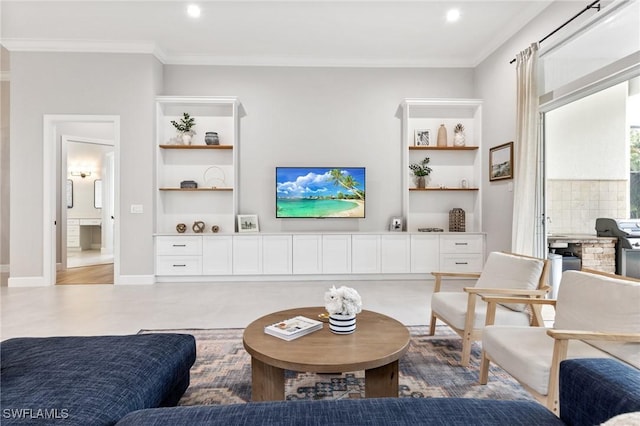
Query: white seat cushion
[(526, 353), (452, 308), (508, 271)]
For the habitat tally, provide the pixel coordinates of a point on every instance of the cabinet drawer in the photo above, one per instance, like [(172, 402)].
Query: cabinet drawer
[(71, 222), (181, 246), (179, 265), (73, 231), (461, 263), (73, 241), (461, 243), (90, 222)]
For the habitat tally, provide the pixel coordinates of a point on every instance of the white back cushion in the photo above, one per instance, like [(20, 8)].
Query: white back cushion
[(597, 303), (591, 302), (508, 271)]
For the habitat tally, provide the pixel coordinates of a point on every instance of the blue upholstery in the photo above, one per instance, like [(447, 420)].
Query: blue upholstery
[(594, 390), (383, 412), (91, 380)]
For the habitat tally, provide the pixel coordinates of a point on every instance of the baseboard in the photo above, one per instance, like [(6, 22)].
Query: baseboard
[(27, 282), (136, 280)]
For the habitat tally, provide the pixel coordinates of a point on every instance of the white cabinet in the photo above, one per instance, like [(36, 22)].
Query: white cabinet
[(336, 254), (178, 255), (425, 253), (217, 255), (455, 179), (213, 168), (307, 254), (247, 255), (365, 254), (461, 253), (394, 253), (276, 255), (73, 233), (314, 255)]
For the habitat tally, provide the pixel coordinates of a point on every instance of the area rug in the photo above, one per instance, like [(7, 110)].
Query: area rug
[(429, 369)]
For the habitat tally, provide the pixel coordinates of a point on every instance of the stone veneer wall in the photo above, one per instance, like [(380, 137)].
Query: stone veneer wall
[(574, 205), (599, 256)]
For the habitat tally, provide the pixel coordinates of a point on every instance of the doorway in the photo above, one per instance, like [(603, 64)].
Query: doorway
[(87, 172), (83, 195)]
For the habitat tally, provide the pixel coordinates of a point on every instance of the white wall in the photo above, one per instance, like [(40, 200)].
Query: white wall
[(4, 160), (495, 83), (598, 122), (319, 117), (108, 84)]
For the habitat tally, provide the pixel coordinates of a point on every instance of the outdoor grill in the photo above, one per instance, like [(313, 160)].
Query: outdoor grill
[(627, 231)]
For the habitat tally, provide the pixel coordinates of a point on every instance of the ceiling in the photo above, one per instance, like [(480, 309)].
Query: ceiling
[(399, 33)]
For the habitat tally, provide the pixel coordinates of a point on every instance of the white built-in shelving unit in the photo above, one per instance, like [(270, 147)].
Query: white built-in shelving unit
[(429, 207), (213, 167)]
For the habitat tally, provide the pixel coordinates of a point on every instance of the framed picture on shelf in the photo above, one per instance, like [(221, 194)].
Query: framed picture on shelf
[(501, 162), (422, 137), (248, 223), (396, 224)]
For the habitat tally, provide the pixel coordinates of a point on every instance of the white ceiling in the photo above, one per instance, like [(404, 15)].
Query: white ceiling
[(269, 32)]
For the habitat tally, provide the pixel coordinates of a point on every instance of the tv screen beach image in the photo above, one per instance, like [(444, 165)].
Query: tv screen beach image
[(320, 192)]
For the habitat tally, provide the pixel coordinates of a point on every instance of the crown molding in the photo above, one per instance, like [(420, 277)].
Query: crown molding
[(82, 46), (146, 47)]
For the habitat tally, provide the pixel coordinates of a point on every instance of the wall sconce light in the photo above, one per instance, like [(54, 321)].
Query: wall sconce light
[(82, 174)]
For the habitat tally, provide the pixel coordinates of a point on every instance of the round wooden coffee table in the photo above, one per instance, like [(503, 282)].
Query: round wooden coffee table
[(375, 347)]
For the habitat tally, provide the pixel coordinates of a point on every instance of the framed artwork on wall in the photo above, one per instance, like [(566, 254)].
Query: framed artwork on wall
[(248, 223), (501, 162), (422, 137)]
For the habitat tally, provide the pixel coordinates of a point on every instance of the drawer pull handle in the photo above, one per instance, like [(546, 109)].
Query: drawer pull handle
[(462, 263), (179, 245), (462, 244), (175, 266)]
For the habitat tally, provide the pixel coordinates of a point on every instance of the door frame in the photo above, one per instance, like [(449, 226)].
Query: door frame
[(50, 189)]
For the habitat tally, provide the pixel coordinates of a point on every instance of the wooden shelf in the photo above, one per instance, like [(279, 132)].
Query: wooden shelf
[(443, 148), (443, 189), (196, 146), (197, 189)]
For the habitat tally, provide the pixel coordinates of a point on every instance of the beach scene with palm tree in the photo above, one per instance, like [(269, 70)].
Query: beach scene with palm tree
[(308, 192)]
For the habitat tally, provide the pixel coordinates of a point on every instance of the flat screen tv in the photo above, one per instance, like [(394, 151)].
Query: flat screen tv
[(320, 192)]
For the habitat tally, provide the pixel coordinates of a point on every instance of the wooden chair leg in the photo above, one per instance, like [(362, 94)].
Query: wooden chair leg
[(484, 369), (466, 351), (432, 325)]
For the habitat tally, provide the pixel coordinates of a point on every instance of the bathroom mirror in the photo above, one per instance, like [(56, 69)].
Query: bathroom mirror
[(97, 193)]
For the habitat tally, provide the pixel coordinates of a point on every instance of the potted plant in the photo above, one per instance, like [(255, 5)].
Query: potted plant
[(421, 171), (184, 127), (342, 304)]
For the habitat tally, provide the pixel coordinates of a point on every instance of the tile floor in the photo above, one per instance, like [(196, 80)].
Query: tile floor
[(109, 309)]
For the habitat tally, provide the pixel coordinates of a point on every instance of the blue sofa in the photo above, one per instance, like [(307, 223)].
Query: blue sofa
[(136, 380), (593, 391), (91, 380)]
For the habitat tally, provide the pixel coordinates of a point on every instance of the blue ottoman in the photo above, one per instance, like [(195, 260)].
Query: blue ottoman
[(91, 380)]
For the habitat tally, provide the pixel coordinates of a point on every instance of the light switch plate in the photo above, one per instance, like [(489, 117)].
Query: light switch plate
[(136, 209)]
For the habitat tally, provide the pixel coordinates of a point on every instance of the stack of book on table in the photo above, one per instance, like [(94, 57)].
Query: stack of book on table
[(293, 328)]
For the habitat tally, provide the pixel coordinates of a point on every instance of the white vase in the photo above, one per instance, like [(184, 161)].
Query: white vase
[(458, 139), (186, 138), (342, 324)]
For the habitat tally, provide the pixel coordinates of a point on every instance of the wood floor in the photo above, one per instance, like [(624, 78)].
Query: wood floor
[(95, 274)]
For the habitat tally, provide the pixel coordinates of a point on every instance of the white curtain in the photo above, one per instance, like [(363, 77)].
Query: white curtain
[(526, 201)]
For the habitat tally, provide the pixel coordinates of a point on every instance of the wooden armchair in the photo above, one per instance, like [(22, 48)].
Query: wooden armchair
[(597, 315), (503, 274)]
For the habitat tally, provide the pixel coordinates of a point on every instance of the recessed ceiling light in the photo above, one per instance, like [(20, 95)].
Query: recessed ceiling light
[(453, 15), (193, 10)]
